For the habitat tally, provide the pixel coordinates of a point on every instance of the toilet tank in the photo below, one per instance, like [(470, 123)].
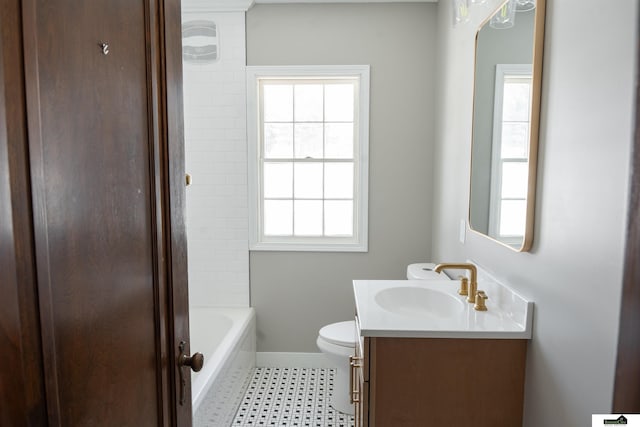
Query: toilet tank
[(424, 271)]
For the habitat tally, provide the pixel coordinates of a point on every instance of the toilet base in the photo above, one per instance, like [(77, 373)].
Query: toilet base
[(338, 348), (340, 400)]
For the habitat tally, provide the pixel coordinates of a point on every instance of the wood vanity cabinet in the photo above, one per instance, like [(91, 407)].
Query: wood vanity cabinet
[(436, 381)]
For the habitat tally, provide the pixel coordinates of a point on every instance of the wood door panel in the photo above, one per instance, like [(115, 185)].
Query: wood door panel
[(177, 281), (92, 153), (21, 384)]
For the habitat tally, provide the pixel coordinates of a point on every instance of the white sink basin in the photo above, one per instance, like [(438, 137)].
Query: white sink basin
[(433, 309), (412, 301)]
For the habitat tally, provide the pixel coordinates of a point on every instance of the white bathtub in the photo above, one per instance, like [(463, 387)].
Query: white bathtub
[(226, 337)]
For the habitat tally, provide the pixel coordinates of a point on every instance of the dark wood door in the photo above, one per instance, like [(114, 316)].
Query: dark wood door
[(21, 375), (626, 393), (105, 304), (91, 151)]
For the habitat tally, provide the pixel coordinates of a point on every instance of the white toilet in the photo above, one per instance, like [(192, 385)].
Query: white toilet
[(424, 271), (338, 341)]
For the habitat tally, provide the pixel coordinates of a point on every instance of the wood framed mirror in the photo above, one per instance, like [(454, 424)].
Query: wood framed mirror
[(506, 116)]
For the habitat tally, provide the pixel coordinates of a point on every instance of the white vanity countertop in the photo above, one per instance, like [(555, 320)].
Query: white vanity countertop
[(509, 316)]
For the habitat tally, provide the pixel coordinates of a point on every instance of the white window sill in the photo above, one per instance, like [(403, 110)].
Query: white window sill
[(309, 247)]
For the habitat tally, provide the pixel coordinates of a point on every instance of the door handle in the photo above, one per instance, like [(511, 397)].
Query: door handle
[(195, 362)]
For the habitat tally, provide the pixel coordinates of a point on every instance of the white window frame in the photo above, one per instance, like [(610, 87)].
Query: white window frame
[(502, 71), (359, 241)]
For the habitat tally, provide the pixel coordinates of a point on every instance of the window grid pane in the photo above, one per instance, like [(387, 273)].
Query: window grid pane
[(307, 219), (307, 181), (278, 217), (308, 140), (278, 140), (314, 133)]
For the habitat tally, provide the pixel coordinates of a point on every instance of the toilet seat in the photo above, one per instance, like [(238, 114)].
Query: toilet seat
[(337, 353), (341, 334), (424, 271)]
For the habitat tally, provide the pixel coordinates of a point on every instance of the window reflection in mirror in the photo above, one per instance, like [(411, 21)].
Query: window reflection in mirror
[(510, 147), (505, 128)]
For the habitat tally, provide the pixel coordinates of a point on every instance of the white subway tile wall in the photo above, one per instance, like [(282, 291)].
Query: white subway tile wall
[(216, 158)]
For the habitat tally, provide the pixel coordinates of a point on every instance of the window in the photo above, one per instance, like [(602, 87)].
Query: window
[(308, 157), (511, 132)]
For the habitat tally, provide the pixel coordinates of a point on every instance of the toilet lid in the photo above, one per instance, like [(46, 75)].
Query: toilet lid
[(341, 333), (424, 271)]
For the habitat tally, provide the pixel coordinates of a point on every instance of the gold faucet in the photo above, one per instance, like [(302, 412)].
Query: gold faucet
[(473, 280), (481, 296), (464, 286)]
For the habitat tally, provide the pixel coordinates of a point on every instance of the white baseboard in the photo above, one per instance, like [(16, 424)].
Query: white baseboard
[(291, 360)]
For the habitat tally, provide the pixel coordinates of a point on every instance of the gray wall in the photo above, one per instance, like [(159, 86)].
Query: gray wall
[(295, 294), (574, 271)]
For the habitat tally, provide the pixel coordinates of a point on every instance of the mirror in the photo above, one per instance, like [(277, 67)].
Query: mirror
[(506, 111)]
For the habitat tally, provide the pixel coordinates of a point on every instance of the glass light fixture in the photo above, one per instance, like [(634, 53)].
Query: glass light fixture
[(478, 2), (200, 41), (505, 17), (525, 5), (460, 11)]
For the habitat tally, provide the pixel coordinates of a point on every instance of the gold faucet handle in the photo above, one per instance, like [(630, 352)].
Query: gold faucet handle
[(464, 285), (480, 305)]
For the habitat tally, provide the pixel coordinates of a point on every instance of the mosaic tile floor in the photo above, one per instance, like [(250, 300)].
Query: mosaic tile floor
[(290, 397), (219, 405)]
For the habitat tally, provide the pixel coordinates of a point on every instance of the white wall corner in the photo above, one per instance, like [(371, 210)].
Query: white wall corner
[(216, 5)]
